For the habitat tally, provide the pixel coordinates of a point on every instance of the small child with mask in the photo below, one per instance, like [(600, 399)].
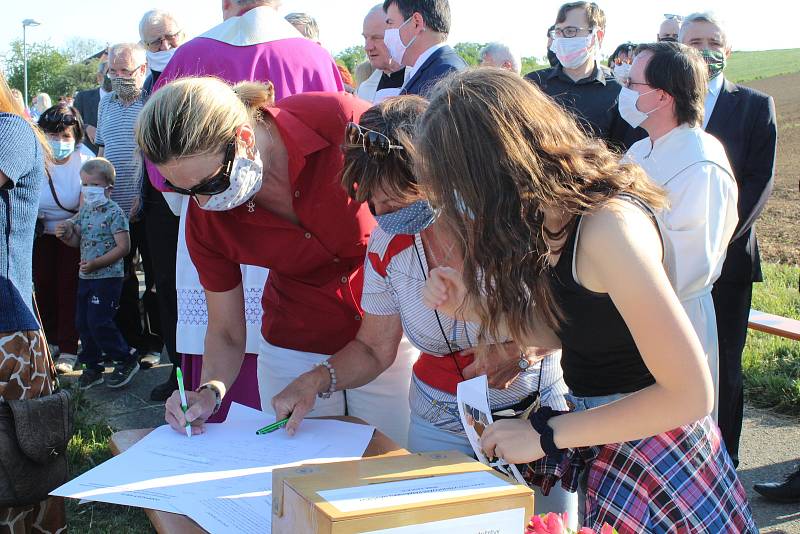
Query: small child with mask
[(100, 229)]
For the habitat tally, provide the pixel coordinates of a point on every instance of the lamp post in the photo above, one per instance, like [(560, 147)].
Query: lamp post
[(25, 24)]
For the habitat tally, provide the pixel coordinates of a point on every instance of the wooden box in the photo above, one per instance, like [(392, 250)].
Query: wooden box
[(414, 493)]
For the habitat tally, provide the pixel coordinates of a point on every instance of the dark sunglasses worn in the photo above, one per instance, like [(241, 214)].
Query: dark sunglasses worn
[(375, 144), (217, 183)]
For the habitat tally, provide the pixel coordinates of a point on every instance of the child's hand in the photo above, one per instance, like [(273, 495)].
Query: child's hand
[(88, 266), (64, 230)]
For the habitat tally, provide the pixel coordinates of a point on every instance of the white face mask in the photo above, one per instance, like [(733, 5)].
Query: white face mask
[(246, 178), (94, 195), (394, 43), (629, 111), (573, 52), (622, 71), (157, 61)]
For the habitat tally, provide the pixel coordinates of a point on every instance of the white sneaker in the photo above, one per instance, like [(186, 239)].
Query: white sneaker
[(66, 363)]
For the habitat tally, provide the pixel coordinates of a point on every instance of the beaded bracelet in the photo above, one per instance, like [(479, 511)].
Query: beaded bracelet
[(332, 388)]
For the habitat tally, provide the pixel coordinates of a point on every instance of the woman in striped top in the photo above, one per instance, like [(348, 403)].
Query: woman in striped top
[(407, 243)]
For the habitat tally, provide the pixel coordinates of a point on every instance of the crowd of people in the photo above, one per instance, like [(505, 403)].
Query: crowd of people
[(315, 243)]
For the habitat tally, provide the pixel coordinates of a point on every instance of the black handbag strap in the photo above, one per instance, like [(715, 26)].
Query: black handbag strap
[(55, 196)]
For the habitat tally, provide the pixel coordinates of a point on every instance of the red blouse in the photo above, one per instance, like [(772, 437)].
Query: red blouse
[(312, 296)]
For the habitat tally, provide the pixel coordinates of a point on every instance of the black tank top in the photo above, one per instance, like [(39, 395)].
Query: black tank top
[(599, 355)]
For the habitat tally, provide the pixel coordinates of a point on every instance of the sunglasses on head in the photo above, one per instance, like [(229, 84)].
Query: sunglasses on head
[(217, 183), (56, 119), (375, 144)]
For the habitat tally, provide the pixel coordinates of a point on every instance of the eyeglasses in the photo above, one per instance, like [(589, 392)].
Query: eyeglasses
[(217, 183), (567, 31), (171, 38), (670, 16), (375, 144), (122, 73), (628, 83)]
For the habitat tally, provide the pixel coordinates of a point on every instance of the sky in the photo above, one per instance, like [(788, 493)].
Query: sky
[(762, 25)]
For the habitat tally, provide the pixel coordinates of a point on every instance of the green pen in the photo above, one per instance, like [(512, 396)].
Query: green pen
[(273, 427), (184, 405)]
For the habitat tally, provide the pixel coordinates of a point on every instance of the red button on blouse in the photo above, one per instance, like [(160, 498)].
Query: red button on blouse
[(313, 293)]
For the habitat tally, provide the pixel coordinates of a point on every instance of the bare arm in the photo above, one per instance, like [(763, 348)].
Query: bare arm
[(622, 248), (121, 249), (359, 362), (222, 358), (69, 233)]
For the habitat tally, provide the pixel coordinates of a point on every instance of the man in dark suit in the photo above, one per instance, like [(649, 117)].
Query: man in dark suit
[(744, 121), (416, 35), (86, 102)]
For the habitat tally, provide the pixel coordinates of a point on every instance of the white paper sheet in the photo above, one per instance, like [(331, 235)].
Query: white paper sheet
[(168, 471), (503, 522), (405, 492), (472, 397)]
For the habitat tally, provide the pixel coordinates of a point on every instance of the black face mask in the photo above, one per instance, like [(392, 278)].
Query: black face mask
[(667, 40), (107, 83), (552, 58)]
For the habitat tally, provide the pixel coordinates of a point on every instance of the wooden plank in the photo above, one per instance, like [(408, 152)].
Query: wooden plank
[(167, 523), (774, 324)]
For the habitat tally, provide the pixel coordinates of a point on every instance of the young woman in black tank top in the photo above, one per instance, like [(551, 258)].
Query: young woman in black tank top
[(561, 250)]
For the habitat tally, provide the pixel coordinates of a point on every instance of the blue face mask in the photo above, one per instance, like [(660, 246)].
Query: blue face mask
[(409, 220), (61, 149)]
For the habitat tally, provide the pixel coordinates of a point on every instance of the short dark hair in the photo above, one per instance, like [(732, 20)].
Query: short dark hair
[(680, 71), (362, 175), (435, 13), (595, 15), (60, 118)]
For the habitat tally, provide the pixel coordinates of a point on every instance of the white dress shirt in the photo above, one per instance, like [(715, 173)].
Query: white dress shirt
[(692, 167), (714, 88)]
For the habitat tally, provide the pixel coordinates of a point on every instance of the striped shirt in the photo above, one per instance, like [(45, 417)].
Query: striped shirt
[(401, 293), (115, 132)]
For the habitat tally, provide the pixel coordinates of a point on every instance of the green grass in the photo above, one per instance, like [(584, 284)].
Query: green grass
[(748, 66), (88, 448), (771, 364)]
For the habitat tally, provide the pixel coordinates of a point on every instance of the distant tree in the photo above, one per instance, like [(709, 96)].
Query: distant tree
[(79, 49), (45, 66), (470, 52), (352, 57), (75, 77), (530, 64)]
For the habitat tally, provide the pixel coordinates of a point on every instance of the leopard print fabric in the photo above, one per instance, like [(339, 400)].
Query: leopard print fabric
[(27, 372)]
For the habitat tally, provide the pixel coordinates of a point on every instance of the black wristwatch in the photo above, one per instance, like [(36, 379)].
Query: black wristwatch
[(217, 395)]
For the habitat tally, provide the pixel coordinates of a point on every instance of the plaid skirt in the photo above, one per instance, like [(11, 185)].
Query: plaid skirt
[(680, 481)]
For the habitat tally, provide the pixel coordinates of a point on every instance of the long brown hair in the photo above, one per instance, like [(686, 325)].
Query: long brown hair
[(8, 104), (493, 152)]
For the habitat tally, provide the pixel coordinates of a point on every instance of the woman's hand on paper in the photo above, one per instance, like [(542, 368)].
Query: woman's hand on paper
[(298, 398), (201, 406), (444, 291), (513, 440)]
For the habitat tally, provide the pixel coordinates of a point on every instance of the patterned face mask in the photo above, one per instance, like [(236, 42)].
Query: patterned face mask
[(409, 220), (716, 62), (245, 181), (125, 88)]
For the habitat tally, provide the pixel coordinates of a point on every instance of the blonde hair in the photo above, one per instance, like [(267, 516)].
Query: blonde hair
[(102, 168), (196, 116)]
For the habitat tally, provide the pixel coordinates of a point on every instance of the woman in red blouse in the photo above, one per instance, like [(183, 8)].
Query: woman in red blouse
[(266, 190)]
